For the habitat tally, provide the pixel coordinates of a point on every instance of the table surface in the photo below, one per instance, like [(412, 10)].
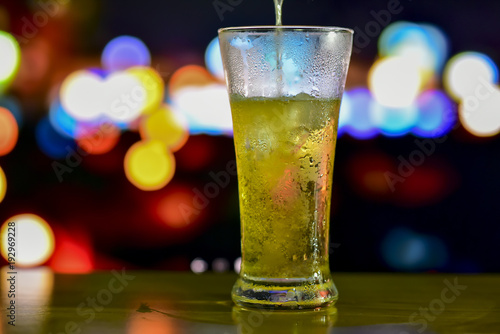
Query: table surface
[(165, 302)]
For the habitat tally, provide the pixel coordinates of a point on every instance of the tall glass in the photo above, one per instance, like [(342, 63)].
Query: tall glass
[(285, 85)]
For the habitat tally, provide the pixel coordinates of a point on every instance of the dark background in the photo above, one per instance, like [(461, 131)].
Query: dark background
[(444, 217)]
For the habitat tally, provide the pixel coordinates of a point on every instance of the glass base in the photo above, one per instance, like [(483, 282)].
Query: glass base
[(292, 294)]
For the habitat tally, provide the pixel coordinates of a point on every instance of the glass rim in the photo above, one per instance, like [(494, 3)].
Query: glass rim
[(269, 28)]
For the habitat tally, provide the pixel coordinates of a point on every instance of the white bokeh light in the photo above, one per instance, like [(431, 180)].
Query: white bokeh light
[(82, 94), (121, 97), (237, 265), (125, 97), (9, 56), (206, 108), (467, 72), (34, 240), (199, 266), (481, 117), (395, 81)]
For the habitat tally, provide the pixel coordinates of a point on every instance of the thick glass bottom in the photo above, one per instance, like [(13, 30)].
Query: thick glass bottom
[(293, 294)]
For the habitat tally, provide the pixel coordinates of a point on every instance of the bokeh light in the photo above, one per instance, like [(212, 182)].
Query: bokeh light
[(207, 109), (367, 174), (9, 131), (71, 256), (481, 117), (10, 55), (213, 59), (61, 121), (437, 114), (468, 75), (471, 78), (423, 44), (395, 81), (189, 76), (149, 165), (98, 139), (86, 96), (406, 250), (124, 98), (439, 44), (197, 154), (220, 265), (394, 121), (237, 265), (428, 183), (154, 87), (166, 126), (360, 124), (51, 142), (3, 184), (124, 52), (12, 104), (176, 210), (81, 95), (198, 266), (34, 240)]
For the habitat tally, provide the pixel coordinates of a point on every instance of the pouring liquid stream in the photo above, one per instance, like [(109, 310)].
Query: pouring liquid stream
[(278, 7)]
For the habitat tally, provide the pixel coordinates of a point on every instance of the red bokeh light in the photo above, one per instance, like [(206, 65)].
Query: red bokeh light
[(196, 154), (71, 256)]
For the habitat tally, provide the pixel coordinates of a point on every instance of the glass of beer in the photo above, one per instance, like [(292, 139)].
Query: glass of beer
[(285, 85)]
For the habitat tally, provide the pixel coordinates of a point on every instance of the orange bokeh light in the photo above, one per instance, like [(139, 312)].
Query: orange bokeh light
[(99, 140), (176, 208), (190, 75), (9, 131)]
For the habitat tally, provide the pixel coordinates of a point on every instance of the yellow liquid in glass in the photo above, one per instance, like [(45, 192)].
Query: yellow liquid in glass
[(285, 151)]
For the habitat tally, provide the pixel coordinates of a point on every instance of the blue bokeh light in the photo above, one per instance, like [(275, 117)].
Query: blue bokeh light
[(345, 112), (438, 42), (51, 142), (424, 43), (403, 249), (61, 121), (213, 59), (360, 124), (394, 121), (437, 114), (124, 52)]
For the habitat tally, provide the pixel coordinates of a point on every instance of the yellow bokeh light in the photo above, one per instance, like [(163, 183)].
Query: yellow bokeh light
[(34, 240), (166, 126), (153, 85), (395, 81), (3, 185), (149, 165), (10, 56)]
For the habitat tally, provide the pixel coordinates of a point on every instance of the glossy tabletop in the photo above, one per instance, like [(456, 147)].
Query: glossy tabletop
[(165, 302)]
